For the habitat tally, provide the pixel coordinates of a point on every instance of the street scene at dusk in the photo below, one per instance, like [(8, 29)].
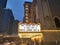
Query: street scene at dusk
[(29, 22)]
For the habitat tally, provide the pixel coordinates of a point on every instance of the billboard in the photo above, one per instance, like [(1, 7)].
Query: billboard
[(29, 28)]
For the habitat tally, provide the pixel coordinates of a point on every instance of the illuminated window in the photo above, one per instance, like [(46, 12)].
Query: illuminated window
[(26, 11), (26, 8), (26, 21), (26, 17), (26, 14), (26, 5)]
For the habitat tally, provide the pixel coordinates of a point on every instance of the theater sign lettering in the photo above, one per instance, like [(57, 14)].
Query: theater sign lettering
[(29, 28)]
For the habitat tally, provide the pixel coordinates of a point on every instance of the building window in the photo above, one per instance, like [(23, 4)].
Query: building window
[(26, 8), (26, 11), (26, 5), (26, 17), (57, 22), (26, 14), (26, 21)]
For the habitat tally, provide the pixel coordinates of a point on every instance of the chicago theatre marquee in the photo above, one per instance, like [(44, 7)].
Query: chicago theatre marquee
[(31, 31)]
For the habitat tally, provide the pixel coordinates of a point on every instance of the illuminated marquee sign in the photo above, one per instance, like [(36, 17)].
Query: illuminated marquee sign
[(29, 28)]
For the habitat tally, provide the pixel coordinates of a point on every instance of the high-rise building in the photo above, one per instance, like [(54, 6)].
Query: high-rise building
[(1, 12), (15, 27), (7, 19), (3, 3)]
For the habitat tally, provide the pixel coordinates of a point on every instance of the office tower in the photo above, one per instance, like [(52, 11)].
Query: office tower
[(7, 19), (15, 27), (3, 3)]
